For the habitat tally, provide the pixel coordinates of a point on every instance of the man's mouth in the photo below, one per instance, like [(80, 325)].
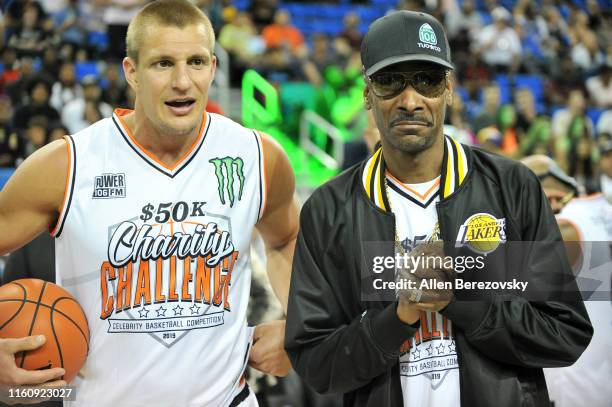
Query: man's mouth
[(181, 107)]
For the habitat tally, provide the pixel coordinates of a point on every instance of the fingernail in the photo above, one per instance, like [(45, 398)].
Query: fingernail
[(40, 338)]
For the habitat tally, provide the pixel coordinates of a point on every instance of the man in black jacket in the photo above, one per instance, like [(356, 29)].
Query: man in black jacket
[(429, 346)]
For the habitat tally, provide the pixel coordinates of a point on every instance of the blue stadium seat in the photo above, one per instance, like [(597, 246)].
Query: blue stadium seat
[(505, 88), (86, 68)]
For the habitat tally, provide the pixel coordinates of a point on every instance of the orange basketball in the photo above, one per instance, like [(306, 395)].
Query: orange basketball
[(34, 307)]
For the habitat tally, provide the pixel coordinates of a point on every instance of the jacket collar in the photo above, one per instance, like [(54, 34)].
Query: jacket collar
[(455, 163)]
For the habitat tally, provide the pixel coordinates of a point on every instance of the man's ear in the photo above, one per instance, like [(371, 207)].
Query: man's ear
[(366, 98), (129, 70), (213, 68), (448, 95)]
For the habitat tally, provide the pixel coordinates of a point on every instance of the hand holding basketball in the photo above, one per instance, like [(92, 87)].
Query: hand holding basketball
[(11, 375)]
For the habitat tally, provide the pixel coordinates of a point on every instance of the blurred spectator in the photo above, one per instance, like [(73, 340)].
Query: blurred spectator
[(534, 131), (68, 23), (86, 110), (115, 91), (565, 77), (457, 115), (351, 31), (586, 54), (262, 12), (600, 87), (30, 36), (323, 55), (506, 123), (57, 131), (15, 10), (462, 23), (117, 16), (490, 108), (11, 72), (278, 66), (35, 134), (18, 90), (532, 32), (38, 106), (66, 88), (11, 145), (573, 135), (50, 64), (240, 39), (499, 44), (281, 33)]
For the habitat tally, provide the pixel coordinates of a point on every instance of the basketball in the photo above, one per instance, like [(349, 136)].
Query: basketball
[(36, 307)]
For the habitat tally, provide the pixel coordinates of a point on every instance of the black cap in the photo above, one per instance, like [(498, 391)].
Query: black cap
[(404, 36)]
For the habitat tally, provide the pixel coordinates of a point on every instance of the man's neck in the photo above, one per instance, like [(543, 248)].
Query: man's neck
[(415, 168), (167, 148)]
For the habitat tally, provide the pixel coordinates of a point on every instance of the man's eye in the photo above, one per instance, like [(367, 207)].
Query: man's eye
[(163, 63), (427, 79), (197, 61), (384, 80)]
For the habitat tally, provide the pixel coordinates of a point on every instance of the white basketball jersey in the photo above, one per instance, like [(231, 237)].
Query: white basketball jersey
[(429, 369), (158, 257), (586, 382)]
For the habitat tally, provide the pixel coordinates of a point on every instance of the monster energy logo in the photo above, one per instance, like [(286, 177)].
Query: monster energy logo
[(224, 170), (427, 34)]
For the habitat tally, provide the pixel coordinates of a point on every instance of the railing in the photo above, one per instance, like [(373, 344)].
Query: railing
[(309, 121)]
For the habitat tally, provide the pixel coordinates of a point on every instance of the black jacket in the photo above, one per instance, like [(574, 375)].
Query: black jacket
[(338, 342)]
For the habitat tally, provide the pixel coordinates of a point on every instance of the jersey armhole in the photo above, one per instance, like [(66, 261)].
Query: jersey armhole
[(69, 190), (262, 174)]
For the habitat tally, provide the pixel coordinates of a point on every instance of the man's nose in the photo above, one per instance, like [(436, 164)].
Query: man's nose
[(410, 100), (181, 80)]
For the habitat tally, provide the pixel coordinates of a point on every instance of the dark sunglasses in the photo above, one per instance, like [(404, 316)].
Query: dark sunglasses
[(387, 85)]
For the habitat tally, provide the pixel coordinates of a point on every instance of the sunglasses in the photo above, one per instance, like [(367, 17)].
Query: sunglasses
[(387, 85)]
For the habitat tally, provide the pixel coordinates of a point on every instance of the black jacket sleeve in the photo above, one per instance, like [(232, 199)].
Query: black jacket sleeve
[(333, 344), (518, 330)]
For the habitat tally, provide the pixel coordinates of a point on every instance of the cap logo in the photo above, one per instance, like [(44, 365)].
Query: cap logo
[(427, 35)]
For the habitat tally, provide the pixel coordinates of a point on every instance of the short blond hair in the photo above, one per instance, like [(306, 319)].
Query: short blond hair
[(174, 13)]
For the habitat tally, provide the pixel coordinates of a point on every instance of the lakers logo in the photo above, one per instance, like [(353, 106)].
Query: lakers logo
[(482, 233)]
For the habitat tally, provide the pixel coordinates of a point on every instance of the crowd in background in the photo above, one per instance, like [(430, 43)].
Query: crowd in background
[(530, 77)]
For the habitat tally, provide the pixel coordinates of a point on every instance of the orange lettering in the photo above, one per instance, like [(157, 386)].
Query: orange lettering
[(143, 284), (434, 326), (425, 327), (159, 281), (187, 277), (445, 327), (228, 278), (172, 295), (202, 281), (124, 288), (107, 301)]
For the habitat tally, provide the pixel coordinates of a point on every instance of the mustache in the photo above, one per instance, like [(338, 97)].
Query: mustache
[(409, 117)]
